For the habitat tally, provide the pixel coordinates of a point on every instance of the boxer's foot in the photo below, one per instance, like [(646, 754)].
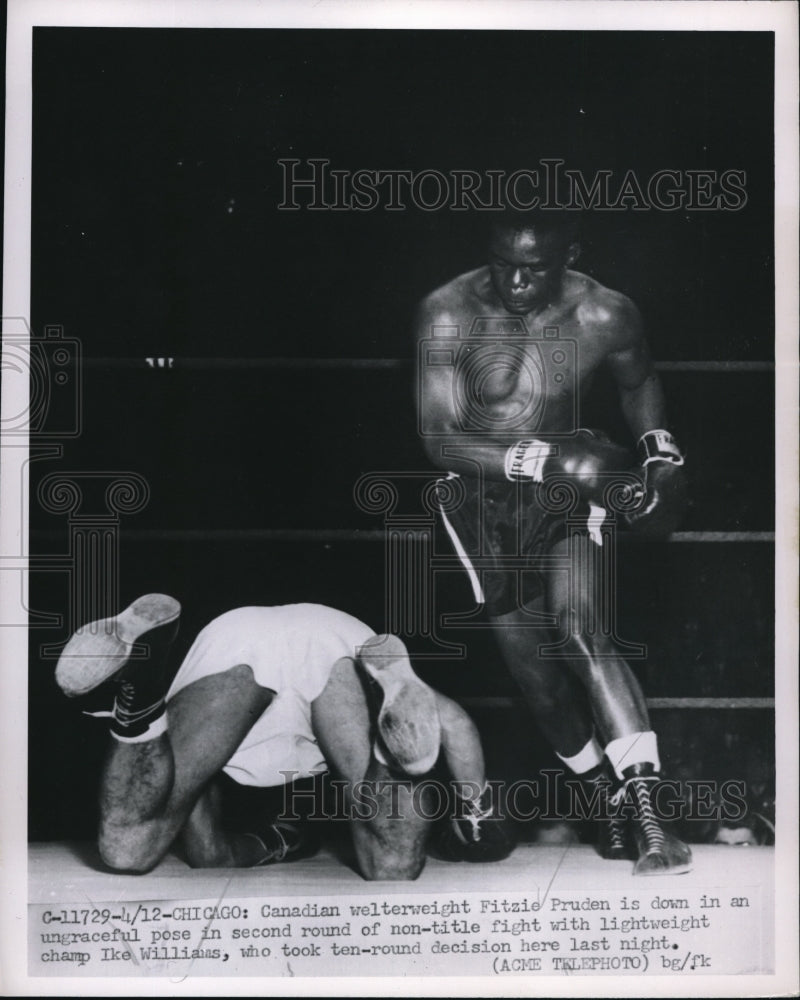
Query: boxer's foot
[(613, 839), (408, 721), (286, 841), (659, 852), (474, 832), (614, 843), (130, 648), (100, 650)]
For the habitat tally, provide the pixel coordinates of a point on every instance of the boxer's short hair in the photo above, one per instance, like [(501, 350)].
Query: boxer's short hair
[(561, 223)]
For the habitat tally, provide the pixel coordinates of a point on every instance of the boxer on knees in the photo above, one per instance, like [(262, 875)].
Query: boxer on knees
[(490, 423), (266, 692)]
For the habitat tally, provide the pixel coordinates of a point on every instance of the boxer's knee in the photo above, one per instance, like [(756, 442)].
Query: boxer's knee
[(390, 851), (391, 866), (206, 855), (125, 850)]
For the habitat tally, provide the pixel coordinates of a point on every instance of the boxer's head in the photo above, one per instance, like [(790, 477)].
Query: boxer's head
[(528, 255)]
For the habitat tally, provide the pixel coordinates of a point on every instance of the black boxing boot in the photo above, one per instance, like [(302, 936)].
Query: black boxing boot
[(614, 840), (131, 649), (474, 832), (286, 840), (659, 852)]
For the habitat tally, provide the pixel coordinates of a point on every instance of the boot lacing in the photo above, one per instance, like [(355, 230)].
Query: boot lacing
[(654, 839), (616, 826), (474, 814)]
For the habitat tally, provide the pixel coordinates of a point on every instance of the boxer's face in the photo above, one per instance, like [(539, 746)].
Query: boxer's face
[(527, 267)]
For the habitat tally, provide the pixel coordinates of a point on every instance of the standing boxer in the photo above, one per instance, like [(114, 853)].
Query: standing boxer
[(263, 695), (497, 404)]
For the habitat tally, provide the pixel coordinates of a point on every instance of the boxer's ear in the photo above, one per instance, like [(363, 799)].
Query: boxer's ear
[(573, 252)]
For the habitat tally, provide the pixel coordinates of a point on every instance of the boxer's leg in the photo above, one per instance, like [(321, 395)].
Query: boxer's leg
[(617, 702), (159, 760), (558, 704), (150, 788), (555, 699), (615, 696), (475, 830), (411, 724), (233, 825), (388, 830)]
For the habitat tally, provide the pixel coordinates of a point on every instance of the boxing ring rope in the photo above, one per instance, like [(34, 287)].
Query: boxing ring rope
[(406, 529), (371, 364), (504, 701), (369, 535)]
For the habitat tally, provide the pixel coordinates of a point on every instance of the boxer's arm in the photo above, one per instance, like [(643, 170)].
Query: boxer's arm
[(640, 394), (446, 444), (663, 479), (507, 458)]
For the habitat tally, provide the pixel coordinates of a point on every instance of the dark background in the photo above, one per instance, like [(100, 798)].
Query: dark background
[(156, 234)]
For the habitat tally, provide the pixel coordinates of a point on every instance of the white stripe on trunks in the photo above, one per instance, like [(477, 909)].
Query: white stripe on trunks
[(594, 522), (477, 590)]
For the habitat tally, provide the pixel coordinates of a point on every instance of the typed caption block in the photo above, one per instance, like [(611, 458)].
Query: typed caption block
[(652, 931)]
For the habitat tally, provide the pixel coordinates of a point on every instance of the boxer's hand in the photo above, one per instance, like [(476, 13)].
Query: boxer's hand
[(589, 459), (664, 488), (590, 455)]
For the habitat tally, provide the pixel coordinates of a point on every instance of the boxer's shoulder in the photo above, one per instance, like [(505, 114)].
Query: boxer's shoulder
[(460, 297), (604, 311)]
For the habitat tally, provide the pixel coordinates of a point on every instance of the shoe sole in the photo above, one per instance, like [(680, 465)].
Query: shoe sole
[(681, 869), (676, 868), (408, 722), (100, 649)]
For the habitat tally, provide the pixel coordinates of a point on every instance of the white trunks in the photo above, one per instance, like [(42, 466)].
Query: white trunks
[(291, 649)]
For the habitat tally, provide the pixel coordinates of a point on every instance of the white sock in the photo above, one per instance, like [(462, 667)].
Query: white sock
[(584, 760), (636, 748), (153, 731)]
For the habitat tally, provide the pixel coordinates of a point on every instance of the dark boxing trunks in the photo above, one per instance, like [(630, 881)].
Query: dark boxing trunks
[(246, 807), (501, 532)]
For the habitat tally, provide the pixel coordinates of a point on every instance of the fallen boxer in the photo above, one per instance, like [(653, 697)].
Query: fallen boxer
[(265, 693)]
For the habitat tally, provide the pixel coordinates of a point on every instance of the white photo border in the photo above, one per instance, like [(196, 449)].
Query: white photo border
[(607, 15)]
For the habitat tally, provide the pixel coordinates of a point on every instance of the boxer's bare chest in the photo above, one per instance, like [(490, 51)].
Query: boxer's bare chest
[(517, 374)]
